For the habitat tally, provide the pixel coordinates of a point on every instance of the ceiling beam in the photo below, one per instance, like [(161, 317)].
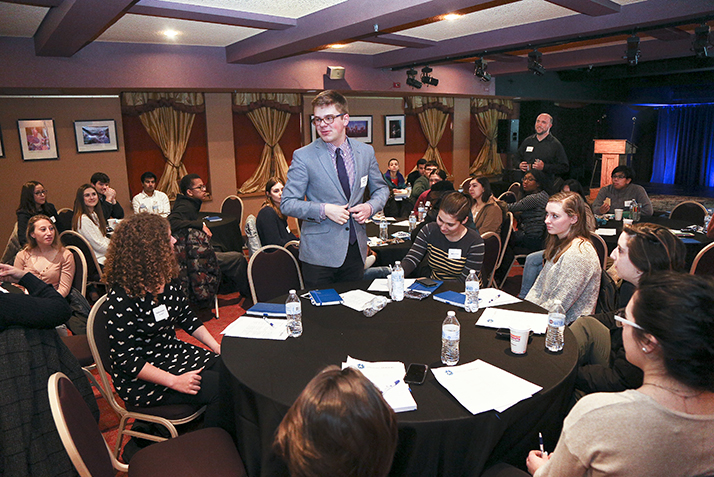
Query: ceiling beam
[(638, 16), (223, 16), (593, 8), (71, 26), (669, 34), (344, 21), (399, 40), (36, 3)]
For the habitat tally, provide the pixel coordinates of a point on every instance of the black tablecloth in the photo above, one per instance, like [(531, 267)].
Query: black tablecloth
[(388, 254), (693, 244), (263, 378), (227, 236)]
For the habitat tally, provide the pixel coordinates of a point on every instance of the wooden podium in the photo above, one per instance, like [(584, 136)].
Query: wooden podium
[(613, 153)]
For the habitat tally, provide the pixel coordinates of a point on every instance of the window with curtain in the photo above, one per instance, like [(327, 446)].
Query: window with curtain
[(435, 116), (485, 114)]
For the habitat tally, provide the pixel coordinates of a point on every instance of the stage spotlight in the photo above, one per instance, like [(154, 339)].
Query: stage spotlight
[(633, 50), (426, 78), (411, 78), (701, 44), (480, 70), (534, 65)]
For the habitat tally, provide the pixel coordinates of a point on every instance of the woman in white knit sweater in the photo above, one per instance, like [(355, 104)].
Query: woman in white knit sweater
[(89, 220), (572, 269)]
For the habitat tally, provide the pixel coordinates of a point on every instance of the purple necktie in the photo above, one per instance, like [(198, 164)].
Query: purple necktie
[(345, 181)]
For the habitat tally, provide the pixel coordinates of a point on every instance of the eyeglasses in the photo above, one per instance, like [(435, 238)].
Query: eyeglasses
[(620, 321), (329, 119), (529, 179), (41, 192), (202, 187), (619, 176)]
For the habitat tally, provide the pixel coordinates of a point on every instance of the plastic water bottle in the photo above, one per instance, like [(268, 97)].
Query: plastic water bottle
[(427, 207), (556, 327), (383, 230), (293, 310), (376, 304), (634, 210), (472, 286), (397, 291), (412, 221), (142, 208), (155, 208), (422, 212), (450, 337)]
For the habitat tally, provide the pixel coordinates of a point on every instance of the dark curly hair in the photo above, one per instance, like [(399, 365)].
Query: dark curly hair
[(141, 257)]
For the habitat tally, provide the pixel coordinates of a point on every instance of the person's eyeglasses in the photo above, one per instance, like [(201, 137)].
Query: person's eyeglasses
[(528, 179), (329, 119), (618, 176), (620, 321), (41, 192), (202, 187)]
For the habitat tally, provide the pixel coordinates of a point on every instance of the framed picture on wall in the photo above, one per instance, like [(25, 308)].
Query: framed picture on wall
[(2, 147), (37, 139), (360, 128), (96, 136), (394, 130)]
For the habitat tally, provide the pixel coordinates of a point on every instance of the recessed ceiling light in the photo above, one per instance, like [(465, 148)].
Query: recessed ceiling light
[(336, 46), (452, 16), (170, 33)]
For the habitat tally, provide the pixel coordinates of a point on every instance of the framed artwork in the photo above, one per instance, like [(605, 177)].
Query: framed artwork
[(360, 128), (96, 136), (2, 147), (394, 130), (37, 139)]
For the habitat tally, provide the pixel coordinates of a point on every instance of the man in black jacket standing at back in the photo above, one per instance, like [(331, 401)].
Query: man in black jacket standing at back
[(543, 151)]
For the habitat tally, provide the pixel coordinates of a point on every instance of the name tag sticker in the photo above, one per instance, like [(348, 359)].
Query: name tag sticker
[(160, 313), (363, 181), (454, 253), (53, 219), (529, 148)]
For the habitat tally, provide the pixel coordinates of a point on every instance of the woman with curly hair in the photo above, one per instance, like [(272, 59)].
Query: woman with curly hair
[(89, 220), (149, 364)]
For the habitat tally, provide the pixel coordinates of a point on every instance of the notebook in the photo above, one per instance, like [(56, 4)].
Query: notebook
[(325, 297), (269, 309)]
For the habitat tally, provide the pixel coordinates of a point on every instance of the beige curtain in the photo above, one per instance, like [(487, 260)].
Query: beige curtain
[(487, 112), (168, 118), (269, 113), (433, 114)]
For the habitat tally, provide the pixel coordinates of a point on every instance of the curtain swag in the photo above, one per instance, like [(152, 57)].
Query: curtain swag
[(419, 104), (246, 102), (487, 112), (135, 104)]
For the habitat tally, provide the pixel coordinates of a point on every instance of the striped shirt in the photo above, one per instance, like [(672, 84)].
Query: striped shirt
[(467, 254)]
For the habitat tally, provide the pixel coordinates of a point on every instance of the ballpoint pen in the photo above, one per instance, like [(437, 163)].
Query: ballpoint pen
[(265, 317), (543, 452)]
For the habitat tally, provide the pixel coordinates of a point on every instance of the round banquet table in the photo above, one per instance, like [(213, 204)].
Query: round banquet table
[(227, 236), (388, 254), (262, 378), (693, 244)]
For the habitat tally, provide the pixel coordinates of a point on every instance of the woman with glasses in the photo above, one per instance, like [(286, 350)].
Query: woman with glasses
[(571, 272), (89, 220), (530, 212), (33, 201), (665, 426), (642, 250)]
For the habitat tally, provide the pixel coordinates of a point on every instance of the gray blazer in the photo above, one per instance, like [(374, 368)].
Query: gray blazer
[(312, 180)]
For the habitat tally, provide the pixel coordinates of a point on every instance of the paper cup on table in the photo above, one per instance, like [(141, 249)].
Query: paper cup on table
[(519, 339), (618, 214), (627, 221)]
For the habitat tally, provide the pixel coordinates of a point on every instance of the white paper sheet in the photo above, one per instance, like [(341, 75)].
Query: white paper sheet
[(382, 284), (480, 386), (356, 299), (258, 328), (606, 232), (488, 297), (401, 223), (388, 377), (498, 318)]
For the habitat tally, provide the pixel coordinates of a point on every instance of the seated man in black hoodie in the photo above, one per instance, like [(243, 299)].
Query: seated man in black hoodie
[(233, 265)]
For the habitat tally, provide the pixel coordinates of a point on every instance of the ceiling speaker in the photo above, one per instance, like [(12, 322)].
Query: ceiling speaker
[(336, 72)]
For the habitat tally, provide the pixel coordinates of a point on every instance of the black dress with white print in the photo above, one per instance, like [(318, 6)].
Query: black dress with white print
[(141, 330)]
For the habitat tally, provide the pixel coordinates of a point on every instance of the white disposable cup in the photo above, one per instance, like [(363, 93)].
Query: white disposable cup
[(618, 214), (627, 221), (519, 340)]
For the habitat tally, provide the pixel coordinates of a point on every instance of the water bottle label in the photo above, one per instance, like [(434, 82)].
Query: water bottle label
[(556, 320), (450, 332), (292, 308), (471, 286)]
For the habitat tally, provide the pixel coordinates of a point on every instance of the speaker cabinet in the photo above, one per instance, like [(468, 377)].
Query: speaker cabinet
[(507, 142)]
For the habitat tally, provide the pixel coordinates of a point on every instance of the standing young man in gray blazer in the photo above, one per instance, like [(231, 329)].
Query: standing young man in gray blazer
[(325, 188)]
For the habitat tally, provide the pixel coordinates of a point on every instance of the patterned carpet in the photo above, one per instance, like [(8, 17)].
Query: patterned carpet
[(665, 203)]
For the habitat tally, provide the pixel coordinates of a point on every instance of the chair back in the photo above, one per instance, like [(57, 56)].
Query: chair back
[(506, 231), (64, 219), (251, 232), (13, 246), (600, 248), (70, 237), (273, 271), (78, 430), (508, 197), (294, 247), (233, 205), (689, 210), (491, 254), (80, 270), (464, 183), (703, 263), (517, 190)]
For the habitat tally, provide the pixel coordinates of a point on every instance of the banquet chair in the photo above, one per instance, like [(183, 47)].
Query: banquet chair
[(80, 270), (265, 283), (293, 247), (491, 254), (463, 183), (233, 206), (169, 416), (506, 232), (517, 190), (94, 271), (64, 219), (508, 197), (251, 233), (600, 248), (689, 210), (13, 246), (206, 452), (703, 263)]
